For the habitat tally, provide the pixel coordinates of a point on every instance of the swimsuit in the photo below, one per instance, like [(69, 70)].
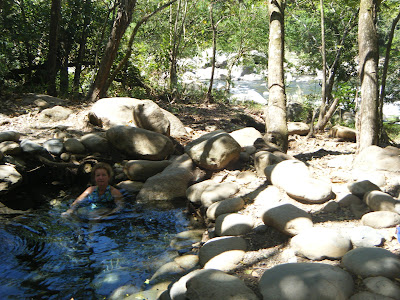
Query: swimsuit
[(94, 200)]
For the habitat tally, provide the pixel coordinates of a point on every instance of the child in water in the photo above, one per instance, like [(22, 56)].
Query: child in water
[(100, 200)]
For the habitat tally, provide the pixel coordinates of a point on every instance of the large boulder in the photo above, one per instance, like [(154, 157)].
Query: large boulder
[(306, 281), (108, 112), (171, 183), (95, 142), (214, 150), (140, 143), (141, 170), (177, 129), (377, 158), (246, 136), (148, 115)]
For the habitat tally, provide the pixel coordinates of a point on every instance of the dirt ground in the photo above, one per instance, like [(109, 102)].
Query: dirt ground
[(328, 158)]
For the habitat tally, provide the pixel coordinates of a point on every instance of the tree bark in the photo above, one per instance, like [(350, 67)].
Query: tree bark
[(53, 45), (121, 23), (368, 54), (276, 118)]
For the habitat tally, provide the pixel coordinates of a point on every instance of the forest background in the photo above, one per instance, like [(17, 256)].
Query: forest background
[(86, 50)]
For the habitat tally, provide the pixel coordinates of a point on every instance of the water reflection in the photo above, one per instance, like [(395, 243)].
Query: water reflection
[(48, 257)]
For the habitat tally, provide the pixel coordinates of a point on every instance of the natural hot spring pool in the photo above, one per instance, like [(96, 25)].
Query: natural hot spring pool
[(44, 256)]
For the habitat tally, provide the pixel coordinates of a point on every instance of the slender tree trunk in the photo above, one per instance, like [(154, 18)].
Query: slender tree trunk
[(368, 52), (121, 23), (82, 49), (324, 97), (53, 45), (209, 97), (276, 118)]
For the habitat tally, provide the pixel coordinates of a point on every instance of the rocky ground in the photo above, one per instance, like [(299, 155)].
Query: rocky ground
[(329, 159)]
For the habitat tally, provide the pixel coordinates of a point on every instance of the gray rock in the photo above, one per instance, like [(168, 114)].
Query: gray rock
[(111, 112), (214, 284), (383, 286), (54, 146), (263, 159), (10, 148), (299, 128), (364, 295), (360, 188), (343, 133), (218, 192), (9, 135), (306, 281), (348, 200), (95, 142), (159, 187), (148, 115), (365, 236), (287, 173), (222, 253), (178, 288), (194, 192), (310, 190), (229, 205), (175, 269), (141, 170), (28, 146), (130, 186), (318, 243), (73, 145), (368, 262), (9, 178), (377, 158), (287, 218), (246, 136), (140, 143), (177, 129), (381, 219), (214, 150), (233, 224), (377, 200), (55, 114)]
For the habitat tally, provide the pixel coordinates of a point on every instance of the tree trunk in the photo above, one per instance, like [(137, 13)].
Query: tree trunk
[(121, 23), (209, 97), (368, 52), (53, 45), (276, 119), (324, 97), (128, 53), (81, 51)]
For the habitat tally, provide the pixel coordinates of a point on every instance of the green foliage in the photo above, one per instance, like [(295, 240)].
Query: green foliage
[(393, 131), (346, 92)]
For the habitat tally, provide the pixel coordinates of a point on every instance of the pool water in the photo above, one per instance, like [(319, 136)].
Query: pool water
[(45, 256)]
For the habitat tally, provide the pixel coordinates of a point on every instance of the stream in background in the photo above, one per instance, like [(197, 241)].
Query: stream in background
[(44, 256)]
